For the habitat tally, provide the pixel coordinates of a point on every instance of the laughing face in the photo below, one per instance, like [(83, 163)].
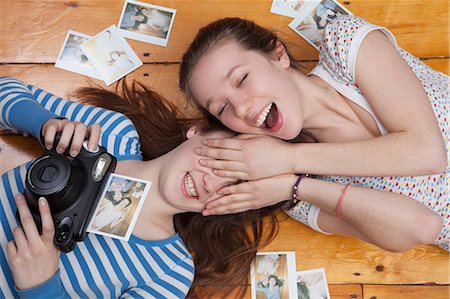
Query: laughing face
[(249, 92), (187, 186)]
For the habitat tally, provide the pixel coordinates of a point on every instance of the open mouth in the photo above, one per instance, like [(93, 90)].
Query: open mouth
[(189, 186), (268, 118)]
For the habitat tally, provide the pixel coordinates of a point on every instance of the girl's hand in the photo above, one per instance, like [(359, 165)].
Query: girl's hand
[(247, 157), (70, 130), (251, 195), (33, 258)]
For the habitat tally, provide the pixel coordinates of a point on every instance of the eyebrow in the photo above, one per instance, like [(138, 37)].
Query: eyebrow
[(227, 76)]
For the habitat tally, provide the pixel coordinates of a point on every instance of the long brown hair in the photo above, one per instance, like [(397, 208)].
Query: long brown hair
[(248, 35), (223, 247)]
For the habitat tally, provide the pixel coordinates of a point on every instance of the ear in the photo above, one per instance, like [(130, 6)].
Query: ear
[(280, 54), (192, 131)]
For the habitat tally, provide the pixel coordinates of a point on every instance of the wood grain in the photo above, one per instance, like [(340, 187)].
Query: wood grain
[(31, 36), (34, 30), (406, 292)]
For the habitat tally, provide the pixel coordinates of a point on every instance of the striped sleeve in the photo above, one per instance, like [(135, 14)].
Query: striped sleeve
[(26, 108), (18, 110)]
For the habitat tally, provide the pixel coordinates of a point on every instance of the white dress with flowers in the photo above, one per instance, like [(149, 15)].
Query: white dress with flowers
[(338, 52)]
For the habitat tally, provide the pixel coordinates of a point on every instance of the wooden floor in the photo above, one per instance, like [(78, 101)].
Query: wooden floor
[(32, 32)]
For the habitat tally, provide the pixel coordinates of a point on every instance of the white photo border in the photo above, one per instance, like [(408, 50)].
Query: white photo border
[(123, 44), (143, 37), (291, 268), (305, 12), (314, 271), (73, 67), (136, 213)]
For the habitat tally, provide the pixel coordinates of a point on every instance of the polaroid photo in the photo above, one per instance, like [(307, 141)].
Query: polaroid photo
[(71, 57), (312, 284), (111, 55), (273, 275), (146, 22), (289, 8), (119, 206), (313, 17)]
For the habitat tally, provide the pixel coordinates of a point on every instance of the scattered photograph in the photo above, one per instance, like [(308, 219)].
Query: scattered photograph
[(146, 22), (273, 275), (314, 16), (111, 55), (119, 206), (312, 284), (289, 8), (71, 57)]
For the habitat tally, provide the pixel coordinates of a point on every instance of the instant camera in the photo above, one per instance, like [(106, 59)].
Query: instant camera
[(72, 187)]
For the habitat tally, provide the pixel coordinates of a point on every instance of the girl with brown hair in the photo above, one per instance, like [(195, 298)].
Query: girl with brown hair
[(170, 237), (368, 115)]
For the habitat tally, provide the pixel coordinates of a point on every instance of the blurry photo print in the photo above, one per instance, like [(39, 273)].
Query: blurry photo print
[(312, 284), (289, 8), (146, 22), (273, 275), (111, 55), (314, 16), (119, 206), (71, 57)]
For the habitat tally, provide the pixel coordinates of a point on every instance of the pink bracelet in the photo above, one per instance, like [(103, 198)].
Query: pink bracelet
[(341, 200)]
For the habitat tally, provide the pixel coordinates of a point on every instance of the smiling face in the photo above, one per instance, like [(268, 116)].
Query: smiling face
[(186, 185), (248, 91)]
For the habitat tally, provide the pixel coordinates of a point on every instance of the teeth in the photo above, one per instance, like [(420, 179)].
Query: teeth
[(262, 117), (189, 184)]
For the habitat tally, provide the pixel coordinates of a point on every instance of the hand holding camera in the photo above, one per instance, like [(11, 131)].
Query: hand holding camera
[(72, 185), (33, 258)]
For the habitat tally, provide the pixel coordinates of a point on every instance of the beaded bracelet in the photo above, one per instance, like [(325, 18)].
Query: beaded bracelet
[(294, 199)]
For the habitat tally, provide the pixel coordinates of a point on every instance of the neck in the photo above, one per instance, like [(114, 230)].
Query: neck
[(155, 220), (323, 108)]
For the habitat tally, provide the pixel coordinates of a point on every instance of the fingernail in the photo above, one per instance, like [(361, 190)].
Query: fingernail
[(206, 213), (203, 163), (59, 150), (197, 151), (205, 142), (73, 153), (48, 146), (41, 201)]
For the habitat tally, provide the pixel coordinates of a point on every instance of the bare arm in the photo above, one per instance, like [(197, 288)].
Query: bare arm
[(414, 145), (389, 220)]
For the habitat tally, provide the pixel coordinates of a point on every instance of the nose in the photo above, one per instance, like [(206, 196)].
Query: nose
[(212, 183), (241, 104)]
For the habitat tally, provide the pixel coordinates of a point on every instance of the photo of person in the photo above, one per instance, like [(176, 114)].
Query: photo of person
[(313, 18), (72, 58), (146, 22), (312, 284), (111, 55), (273, 276), (288, 8), (119, 206)]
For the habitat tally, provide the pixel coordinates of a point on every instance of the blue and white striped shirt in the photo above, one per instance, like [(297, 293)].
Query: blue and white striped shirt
[(99, 267)]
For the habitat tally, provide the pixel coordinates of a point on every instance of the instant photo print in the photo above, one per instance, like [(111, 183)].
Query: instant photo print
[(273, 275), (146, 22), (119, 206), (111, 55), (312, 284), (71, 57), (289, 8), (314, 16)]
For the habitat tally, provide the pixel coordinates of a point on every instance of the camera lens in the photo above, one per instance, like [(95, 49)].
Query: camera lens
[(51, 176)]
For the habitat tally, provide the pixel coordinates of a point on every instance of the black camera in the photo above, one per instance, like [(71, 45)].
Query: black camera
[(72, 187)]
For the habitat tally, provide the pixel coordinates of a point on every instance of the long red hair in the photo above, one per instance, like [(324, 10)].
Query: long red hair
[(223, 247)]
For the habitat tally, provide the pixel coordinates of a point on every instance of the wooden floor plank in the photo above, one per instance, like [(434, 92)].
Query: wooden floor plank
[(421, 28), (406, 292)]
